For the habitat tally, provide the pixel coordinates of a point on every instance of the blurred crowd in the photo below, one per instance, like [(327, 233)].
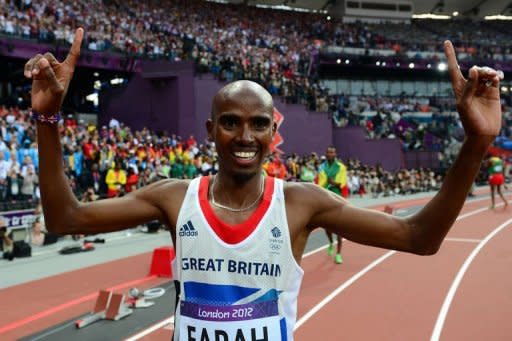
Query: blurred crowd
[(113, 160), (373, 181), (221, 39), (233, 42), (176, 28), (420, 123)]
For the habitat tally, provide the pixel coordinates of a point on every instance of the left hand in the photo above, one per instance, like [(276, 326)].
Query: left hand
[(332, 182), (478, 97)]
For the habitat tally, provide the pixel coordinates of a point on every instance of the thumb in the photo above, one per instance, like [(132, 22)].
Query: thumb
[(47, 74)]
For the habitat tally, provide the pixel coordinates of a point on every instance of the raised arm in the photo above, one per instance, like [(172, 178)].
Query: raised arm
[(478, 104), (63, 212)]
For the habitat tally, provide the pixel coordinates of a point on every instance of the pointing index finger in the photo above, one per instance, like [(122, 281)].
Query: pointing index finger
[(74, 52), (453, 66)]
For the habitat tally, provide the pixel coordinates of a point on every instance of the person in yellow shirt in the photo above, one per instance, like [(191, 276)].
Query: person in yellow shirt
[(116, 179), (332, 175)]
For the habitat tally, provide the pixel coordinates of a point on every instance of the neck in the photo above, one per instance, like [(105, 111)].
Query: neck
[(235, 193)]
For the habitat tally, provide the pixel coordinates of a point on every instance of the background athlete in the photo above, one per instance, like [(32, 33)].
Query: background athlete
[(496, 172), (242, 128), (332, 175)]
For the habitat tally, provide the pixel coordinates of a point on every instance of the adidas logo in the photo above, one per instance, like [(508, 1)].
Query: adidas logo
[(276, 232), (188, 230)]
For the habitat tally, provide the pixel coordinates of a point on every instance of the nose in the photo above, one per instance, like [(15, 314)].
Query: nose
[(246, 135)]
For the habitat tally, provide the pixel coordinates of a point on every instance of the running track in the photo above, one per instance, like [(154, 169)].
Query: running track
[(461, 293)]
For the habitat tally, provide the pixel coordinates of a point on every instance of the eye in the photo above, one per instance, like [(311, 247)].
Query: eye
[(228, 122), (261, 123)]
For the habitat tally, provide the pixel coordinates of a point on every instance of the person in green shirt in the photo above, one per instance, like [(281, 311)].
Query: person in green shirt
[(178, 169), (166, 168), (190, 169), (496, 171), (332, 175), (308, 172)]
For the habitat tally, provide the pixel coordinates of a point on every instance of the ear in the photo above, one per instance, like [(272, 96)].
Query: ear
[(209, 129)]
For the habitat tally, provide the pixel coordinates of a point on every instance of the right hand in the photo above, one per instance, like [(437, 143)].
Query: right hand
[(50, 79), (477, 97)]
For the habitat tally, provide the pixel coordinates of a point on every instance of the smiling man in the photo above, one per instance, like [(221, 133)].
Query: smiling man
[(239, 236)]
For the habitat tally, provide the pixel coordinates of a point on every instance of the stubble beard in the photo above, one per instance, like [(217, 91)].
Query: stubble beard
[(243, 177)]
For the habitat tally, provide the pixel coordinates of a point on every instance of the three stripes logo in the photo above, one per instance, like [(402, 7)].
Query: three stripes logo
[(188, 230)]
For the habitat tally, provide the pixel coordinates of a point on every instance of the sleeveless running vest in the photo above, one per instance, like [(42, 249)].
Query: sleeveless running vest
[(237, 282), (496, 166)]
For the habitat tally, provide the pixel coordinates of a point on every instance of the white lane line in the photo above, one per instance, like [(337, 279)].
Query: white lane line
[(124, 236), (339, 289), (312, 252), (169, 320), (456, 282), (463, 240), (310, 313), (358, 275), (318, 249)]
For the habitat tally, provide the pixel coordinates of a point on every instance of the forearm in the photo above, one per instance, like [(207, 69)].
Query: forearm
[(56, 196), (433, 222)]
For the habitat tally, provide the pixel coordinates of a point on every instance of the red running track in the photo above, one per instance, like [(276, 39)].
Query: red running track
[(398, 299), (37, 305)]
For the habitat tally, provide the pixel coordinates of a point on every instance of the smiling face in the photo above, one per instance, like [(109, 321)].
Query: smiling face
[(242, 127)]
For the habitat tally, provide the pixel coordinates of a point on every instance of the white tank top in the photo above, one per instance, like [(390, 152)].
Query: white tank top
[(237, 282)]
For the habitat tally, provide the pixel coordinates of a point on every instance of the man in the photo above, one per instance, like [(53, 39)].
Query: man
[(333, 176), (237, 266), (496, 172)]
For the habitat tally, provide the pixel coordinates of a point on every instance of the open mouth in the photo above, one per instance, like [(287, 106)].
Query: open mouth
[(245, 157)]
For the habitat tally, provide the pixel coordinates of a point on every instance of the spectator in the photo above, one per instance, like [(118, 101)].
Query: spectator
[(29, 182), (14, 183), (308, 172), (7, 243), (131, 181), (36, 236), (4, 169), (115, 179), (275, 168)]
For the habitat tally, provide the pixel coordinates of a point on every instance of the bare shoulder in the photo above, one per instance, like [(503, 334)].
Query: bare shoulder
[(306, 200), (166, 190), (294, 190), (167, 195)]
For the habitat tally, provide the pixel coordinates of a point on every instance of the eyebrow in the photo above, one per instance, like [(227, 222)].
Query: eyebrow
[(260, 115)]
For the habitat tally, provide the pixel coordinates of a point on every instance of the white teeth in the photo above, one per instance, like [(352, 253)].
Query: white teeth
[(245, 155)]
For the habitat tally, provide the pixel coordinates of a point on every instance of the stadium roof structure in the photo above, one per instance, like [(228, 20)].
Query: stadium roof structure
[(468, 8)]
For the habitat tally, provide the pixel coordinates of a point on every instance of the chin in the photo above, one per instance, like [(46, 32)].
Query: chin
[(245, 175)]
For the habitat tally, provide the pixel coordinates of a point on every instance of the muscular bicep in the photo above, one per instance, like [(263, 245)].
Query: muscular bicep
[(360, 225), (135, 208)]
